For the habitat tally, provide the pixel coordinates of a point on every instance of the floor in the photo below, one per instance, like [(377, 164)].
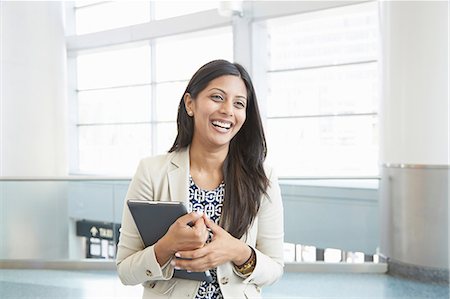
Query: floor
[(105, 284)]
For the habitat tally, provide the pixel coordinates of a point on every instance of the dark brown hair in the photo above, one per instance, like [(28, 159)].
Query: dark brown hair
[(243, 169)]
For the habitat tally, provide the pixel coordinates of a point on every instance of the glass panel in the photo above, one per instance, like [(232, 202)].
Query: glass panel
[(307, 253), (168, 96), (326, 37), (170, 9), (180, 56), (333, 255), (119, 67), (130, 104), (355, 257), (332, 55), (344, 89), (166, 133), (87, 2), (111, 14), (33, 220), (113, 149), (62, 218), (324, 146), (289, 252), (84, 216)]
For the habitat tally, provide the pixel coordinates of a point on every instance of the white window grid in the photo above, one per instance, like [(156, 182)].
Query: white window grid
[(243, 45)]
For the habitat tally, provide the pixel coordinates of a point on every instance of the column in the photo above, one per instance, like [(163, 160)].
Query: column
[(33, 96), (414, 139)]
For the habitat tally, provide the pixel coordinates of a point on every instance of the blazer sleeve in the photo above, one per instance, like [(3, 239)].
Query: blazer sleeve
[(135, 263), (270, 237)]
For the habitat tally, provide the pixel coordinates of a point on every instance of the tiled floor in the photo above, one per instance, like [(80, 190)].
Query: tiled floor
[(334, 285), (48, 284)]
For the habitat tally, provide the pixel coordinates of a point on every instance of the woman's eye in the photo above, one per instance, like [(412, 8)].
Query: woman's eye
[(216, 98), (240, 104)]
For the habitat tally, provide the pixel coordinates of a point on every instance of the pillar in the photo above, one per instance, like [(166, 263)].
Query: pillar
[(33, 95), (414, 116)]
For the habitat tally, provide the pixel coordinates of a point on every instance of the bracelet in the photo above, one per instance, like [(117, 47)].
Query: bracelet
[(248, 266)]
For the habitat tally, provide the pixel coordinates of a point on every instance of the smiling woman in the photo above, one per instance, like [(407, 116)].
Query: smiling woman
[(216, 167), (218, 111)]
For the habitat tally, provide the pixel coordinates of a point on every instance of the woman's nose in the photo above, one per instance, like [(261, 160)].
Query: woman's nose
[(227, 108)]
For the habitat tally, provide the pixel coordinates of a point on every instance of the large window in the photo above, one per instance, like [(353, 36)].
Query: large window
[(316, 79), (94, 16), (127, 97), (114, 109), (171, 9), (322, 92)]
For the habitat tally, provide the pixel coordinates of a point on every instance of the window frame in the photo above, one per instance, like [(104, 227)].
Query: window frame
[(248, 36)]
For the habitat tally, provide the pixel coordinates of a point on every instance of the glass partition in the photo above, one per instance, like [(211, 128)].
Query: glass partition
[(60, 219), (331, 219), (76, 219)]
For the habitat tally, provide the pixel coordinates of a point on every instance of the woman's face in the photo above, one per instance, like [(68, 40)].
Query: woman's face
[(219, 111)]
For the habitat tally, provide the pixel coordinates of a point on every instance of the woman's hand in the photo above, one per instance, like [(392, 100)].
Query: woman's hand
[(223, 248), (188, 232)]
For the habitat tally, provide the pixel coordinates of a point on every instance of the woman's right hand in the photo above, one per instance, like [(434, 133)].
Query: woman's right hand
[(181, 236)]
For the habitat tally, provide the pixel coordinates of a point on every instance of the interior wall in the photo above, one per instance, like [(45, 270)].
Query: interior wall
[(414, 116), (33, 97)]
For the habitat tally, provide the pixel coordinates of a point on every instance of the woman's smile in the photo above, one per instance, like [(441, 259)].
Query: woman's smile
[(222, 124), (219, 111)]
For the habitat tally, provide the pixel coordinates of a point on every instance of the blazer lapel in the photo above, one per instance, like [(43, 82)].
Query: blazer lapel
[(178, 176)]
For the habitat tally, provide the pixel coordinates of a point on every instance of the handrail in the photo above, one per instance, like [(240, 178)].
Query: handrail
[(112, 178), (294, 178), (63, 178)]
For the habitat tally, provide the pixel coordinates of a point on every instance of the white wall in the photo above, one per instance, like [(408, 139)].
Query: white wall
[(33, 89), (415, 108), (414, 190)]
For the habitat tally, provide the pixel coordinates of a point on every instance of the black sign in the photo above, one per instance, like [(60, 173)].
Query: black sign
[(96, 229)]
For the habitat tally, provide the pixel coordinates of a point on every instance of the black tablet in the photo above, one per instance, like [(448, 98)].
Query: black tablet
[(153, 219)]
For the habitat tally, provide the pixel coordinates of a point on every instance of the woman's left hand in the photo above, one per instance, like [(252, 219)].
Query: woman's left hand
[(223, 248)]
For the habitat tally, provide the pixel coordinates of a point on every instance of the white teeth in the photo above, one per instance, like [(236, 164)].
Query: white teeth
[(221, 124)]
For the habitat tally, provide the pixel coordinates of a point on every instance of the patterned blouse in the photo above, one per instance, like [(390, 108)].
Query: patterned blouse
[(210, 202)]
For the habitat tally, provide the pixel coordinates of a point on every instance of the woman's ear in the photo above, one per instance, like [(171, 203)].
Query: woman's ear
[(188, 104)]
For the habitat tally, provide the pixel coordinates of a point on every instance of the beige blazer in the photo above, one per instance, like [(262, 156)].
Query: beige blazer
[(166, 178)]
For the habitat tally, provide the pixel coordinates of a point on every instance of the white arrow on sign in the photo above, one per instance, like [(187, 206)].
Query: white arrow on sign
[(94, 231)]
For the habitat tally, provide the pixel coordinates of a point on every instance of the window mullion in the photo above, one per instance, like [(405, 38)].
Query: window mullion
[(72, 94), (242, 41), (153, 103), (260, 66)]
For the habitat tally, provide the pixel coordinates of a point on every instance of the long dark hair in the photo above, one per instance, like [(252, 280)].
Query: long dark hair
[(243, 170)]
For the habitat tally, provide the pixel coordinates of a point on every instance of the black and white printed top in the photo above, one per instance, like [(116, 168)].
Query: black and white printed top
[(210, 202)]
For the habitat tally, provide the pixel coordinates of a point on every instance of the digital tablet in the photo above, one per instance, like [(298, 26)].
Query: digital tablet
[(153, 219)]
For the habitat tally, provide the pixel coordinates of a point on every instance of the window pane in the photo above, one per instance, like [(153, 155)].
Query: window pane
[(168, 96), (180, 56), (333, 90), (326, 37), (170, 9), (87, 2), (166, 133), (113, 149), (114, 68), (111, 14), (321, 64), (131, 104), (324, 146)]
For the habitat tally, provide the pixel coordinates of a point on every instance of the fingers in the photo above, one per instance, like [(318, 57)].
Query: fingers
[(201, 230), (190, 265), (212, 225), (193, 254), (195, 260), (190, 218), (199, 223)]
